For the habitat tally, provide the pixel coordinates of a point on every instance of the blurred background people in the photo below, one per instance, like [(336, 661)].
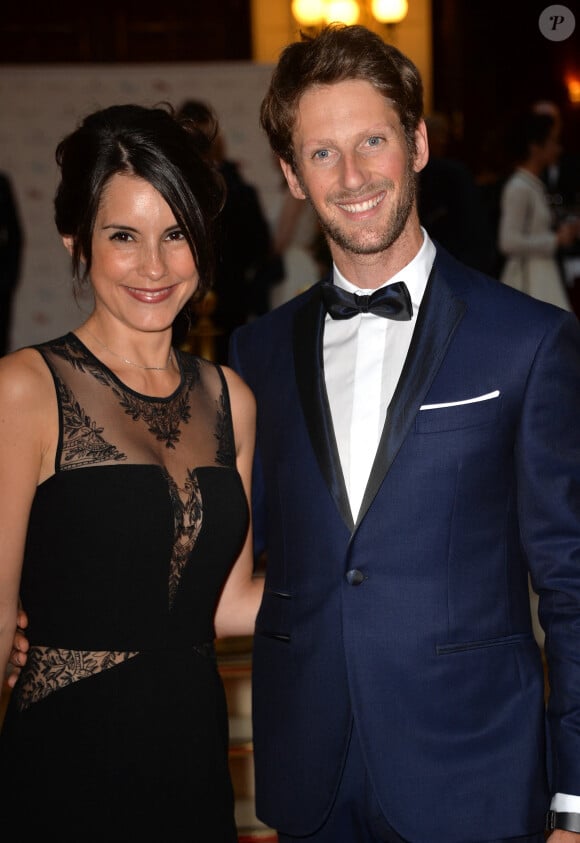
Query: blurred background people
[(529, 236), (450, 206), (244, 271), (11, 248), (562, 175), (562, 180), (491, 171), (300, 247)]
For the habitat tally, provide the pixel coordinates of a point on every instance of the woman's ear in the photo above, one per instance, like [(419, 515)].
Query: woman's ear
[(68, 241)]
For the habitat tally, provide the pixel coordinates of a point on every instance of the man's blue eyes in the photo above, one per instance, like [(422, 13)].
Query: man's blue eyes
[(375, 140)]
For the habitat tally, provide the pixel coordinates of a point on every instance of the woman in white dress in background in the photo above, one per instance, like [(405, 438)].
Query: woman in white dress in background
[(527, 237)]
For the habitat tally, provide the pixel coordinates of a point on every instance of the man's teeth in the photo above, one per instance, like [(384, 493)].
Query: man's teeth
[(362, 206)]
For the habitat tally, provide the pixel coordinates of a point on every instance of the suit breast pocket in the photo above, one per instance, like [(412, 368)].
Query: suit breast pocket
[(458, 416)]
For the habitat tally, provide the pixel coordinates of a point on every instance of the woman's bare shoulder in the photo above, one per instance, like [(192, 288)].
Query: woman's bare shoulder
[(25, 380), (240, 392)]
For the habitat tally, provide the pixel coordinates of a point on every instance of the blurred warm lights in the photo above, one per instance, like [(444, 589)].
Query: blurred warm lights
[(309, 12), (389, 11), (573, 87), (346, 11), (313, 12)]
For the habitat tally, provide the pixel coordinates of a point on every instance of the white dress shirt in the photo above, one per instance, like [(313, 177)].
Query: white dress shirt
[(363, 360)]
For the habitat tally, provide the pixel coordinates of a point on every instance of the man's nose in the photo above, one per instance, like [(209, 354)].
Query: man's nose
[(353, 171)]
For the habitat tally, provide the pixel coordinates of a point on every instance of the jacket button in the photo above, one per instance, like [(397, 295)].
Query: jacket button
[(355, 577)]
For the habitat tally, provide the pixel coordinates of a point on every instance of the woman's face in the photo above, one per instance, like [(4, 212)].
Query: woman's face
[(142, 271)]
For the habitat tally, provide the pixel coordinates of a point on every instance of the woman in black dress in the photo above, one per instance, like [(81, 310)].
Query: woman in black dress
[(124, 518)]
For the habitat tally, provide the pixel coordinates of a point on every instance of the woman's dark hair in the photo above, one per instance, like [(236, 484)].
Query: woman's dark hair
[(336, 54), (153, 144), (526, 131), (201, 115)]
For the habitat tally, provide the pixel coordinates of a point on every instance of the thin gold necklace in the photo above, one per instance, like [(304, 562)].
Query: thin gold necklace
[(130, 362)]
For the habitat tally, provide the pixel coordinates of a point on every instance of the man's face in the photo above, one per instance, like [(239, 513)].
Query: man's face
[(354, 166)]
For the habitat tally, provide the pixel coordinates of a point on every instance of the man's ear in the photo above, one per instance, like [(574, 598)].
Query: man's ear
[(292, 179), (68, 241), (421, 147)]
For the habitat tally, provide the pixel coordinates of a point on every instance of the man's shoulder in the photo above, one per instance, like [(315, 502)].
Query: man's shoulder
[(276, 326), (485, 293)]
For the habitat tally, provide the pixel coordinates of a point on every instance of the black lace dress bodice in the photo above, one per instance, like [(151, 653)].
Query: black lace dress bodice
[(118, 723)]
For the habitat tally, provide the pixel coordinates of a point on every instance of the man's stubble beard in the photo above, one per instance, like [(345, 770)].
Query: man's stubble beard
[(394, 227)]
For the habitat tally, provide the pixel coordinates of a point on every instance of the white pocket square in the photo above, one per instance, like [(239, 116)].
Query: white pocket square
[(487, 397)]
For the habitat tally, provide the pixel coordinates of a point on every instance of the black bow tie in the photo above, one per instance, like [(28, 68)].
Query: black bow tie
[(392, 302)]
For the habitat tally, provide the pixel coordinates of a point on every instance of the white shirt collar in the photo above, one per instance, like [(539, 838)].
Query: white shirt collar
[(415, 274)]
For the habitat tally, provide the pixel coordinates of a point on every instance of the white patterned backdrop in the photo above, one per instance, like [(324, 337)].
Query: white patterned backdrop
[(40, 104)]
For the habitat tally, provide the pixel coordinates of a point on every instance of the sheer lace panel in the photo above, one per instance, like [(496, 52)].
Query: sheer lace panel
[(49, 669), (83, 442), (188, 510), (104, 422)]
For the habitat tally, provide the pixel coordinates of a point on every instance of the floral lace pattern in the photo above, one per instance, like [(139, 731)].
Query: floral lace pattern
[(165, 426), (83, 442), (48, 669), (188, 519), (226, 454)]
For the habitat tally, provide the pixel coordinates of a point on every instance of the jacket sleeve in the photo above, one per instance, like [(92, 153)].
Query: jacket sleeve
[(548, 490)]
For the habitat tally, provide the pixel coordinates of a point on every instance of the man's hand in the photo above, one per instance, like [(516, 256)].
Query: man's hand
[(560, 836), (19, 652)]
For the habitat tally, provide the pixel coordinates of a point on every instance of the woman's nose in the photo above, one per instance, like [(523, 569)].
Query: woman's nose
[(152, 262)]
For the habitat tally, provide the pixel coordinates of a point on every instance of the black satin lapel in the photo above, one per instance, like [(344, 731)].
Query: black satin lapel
[(438, 318), (309, 365)]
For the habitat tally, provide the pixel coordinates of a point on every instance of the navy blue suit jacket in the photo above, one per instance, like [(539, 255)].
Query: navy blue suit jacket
[(433, 654)]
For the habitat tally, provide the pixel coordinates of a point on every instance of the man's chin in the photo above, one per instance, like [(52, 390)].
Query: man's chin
[(363, 245)]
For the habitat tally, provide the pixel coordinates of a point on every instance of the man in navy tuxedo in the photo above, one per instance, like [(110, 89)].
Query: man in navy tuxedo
[(418, 454)]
